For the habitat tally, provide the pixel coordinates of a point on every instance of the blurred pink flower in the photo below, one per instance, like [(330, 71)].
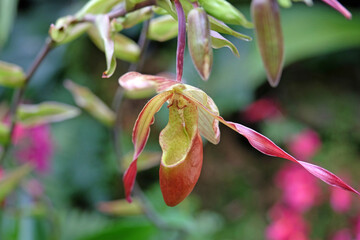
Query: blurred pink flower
[(34, 188), (343, 234), (305, 144), (34, 145), (300, 189), (286, 225), (261, 109), (340, 200)]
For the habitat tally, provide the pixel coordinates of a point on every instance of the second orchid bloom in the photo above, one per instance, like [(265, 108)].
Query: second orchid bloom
[(191, 113)]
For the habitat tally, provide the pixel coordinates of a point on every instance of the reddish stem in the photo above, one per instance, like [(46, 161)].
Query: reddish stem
[(181, 40)]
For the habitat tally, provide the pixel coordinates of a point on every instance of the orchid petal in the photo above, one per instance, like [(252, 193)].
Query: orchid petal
[(266, 146), (182, 152), (140, 136), (208, 125), (338, 7), (133, 81)]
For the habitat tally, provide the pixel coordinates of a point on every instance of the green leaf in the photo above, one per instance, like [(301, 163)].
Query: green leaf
[(163, 28), (224, 11), (104, 28), (11, 75), (97, 7), (90, 102), (4, 133), (12, 180), (218, 41), (46, 112), (7, 16)]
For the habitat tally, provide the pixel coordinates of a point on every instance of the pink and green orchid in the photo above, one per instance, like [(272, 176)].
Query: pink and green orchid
[(192, 113)]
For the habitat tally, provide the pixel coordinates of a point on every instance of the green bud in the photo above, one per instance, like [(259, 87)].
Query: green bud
[(163, 28), (133, 18), (11, 75), (224, 11), (65, 30), (97, 7), (269, 37), (200, 42)]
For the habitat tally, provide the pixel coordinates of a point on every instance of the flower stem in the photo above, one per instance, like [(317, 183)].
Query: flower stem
[(19, 93), (181, 40)]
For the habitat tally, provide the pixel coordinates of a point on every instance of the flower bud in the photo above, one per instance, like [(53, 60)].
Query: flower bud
[(200, 41), (266, 17), (225, 12)]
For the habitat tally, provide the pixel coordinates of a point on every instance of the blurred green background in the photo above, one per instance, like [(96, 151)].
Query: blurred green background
[(319, 90)]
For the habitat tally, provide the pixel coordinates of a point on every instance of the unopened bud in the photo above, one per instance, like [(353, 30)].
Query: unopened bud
[(266, 17), (200, 41)]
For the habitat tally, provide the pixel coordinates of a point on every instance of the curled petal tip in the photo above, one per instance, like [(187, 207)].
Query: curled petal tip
[(338, 7)]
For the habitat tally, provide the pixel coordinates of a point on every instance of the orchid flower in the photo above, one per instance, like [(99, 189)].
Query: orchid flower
[(191, 113)]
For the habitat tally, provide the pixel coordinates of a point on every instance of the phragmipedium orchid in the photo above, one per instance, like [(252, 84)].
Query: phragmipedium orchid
[(191, 113)]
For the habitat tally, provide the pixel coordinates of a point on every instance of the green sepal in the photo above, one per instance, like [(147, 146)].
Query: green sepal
[(97, 7)]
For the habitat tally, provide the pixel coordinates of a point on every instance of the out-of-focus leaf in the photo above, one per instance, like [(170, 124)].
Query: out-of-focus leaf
[(163, 28), (125, 48), (145, 161), (7, 16), (269, 37), (218, 41), (104, 28), (65, 30), (97, 7), (12, 179), (46, 112), (221, 27), (4, 133), (122, 207), (11, 75), (90, 102), (224, 11), (199, 42)]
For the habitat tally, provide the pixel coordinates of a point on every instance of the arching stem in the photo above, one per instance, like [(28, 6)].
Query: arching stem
[(181, 40)]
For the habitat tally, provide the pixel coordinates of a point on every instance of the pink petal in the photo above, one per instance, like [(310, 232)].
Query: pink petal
[(140, 136), (266, 146), (337, 6), (133, 81)]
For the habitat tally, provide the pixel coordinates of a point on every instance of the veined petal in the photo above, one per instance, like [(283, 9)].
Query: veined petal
[(134, 81), (266, 146), (208, 125), (182, 151), (140, 136), (338, 7)]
